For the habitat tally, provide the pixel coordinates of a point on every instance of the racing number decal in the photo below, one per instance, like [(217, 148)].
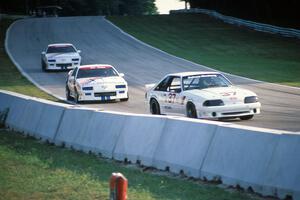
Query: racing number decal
[(171, 98)]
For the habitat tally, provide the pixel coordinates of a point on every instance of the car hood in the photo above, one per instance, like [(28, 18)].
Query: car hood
[(62, 55), (92, 81), (227, 94)]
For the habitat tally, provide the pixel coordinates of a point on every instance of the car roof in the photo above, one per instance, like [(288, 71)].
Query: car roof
[(192, 73), (60, 45), (95, 66)]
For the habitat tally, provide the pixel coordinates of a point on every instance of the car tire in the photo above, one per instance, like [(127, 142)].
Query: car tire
[(76, 99), (154, 107), (68, 96), (191, 111), (44, 68), (247, 117)]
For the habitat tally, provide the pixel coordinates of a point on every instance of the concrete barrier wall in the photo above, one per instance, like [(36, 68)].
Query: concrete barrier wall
[(139, 138), (73, 126), (49, 120), (266, 160), (6, 100), (102, 133), (283, 172), (30, 116), (183, 146), (16, 113), (240, 156)]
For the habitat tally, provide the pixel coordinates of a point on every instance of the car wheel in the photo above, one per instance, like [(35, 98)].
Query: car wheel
[(77, 98), (68, 96), (154, 107), (44, 66), (191, 110), (247, 117)]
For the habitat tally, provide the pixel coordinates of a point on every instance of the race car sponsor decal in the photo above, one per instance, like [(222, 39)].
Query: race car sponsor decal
[(225, 94), (87, 81), (95, 67)]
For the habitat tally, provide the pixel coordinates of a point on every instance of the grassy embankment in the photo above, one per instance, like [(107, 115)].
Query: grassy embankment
[(225, 47), (31, 170), (10, 77)]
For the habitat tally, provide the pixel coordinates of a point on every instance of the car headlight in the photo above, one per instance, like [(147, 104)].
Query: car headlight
[(215, 102), (120, 86), (87, 88), (51, 60), (251, 99)]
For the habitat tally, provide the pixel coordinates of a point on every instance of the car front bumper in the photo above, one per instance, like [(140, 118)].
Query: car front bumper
[(62, 66), (91, 95), (228, 111)]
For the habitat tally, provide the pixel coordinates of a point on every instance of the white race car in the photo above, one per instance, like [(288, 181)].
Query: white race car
[(96, 83), (60, 57), (201, 95)]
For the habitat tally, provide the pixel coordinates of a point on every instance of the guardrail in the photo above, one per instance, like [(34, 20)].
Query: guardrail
[(287, 32), (267, 161)]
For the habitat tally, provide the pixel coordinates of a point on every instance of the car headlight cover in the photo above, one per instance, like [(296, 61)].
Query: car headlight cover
[(87, 88), (251, 99), (215, 102), (120, 86)]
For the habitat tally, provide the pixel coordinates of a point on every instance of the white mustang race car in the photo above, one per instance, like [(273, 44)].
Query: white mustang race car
[(201, 95), (60, 57), (96, 83)]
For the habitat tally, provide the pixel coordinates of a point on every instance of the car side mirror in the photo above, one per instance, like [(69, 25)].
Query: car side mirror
[(121, 74), (78, 51), (70, 72)]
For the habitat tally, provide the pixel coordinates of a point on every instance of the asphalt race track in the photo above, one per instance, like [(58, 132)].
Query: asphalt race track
[(101, 42)]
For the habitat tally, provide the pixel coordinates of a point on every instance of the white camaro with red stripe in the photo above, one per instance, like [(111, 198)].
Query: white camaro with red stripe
[(201, 95), (61, 56), (96, 83)]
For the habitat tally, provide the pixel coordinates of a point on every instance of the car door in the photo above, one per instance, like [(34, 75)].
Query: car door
[(160, 93), (167, 93), (173, 101)]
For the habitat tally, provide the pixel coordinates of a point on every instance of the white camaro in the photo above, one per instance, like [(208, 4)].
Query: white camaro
[(62, 56), (96, 83), (201, 95)]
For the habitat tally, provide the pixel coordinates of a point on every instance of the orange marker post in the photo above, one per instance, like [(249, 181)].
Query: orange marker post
[(118, 187)]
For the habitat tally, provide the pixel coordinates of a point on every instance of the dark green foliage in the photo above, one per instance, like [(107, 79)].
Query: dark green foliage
[(278, 12), (83, 7)]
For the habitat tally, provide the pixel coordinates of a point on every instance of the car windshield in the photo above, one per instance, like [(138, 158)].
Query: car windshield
[(61, 49), (204, 81), (96, 72)]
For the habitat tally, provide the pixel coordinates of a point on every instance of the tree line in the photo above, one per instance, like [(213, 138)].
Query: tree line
[(278, 12), (82, 7)]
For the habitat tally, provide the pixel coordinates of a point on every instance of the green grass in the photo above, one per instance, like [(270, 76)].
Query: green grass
[(225, 47), (10, 77), (31, 170)]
